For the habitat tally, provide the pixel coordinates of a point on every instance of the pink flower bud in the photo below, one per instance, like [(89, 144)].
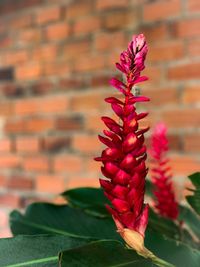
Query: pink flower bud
[(166, 203)]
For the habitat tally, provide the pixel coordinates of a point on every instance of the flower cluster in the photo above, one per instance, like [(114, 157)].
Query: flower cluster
[(166, 204), (124, 158)]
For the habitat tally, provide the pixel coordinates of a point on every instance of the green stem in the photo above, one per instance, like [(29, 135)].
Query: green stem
[(159, 262)]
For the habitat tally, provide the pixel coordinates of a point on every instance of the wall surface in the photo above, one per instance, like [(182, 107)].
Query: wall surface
[(56, 57)]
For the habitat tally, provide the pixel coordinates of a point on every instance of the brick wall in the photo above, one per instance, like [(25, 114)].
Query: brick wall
[(56, 57)]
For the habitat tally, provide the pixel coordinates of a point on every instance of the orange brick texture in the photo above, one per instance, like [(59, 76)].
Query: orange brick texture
[(56, 58)]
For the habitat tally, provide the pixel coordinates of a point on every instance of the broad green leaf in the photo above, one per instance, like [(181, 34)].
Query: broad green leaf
[(47, 218), (191, 219), (81, 198), (194, 200), (91, 200), (175, 252), (103, 254), (43, 218), (35, 251)]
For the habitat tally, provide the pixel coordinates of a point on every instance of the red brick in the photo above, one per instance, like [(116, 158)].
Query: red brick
[(187, 28), (57, 31), (28, 71), (55, 143), (194, 47), (77, 9), (166, 51), (6, 145), (182, 118), (48, 15), (154, 73), (160, 96), (6, 108), (104, 4), (86, 143), (69, 123), (100, 80), (29, 36), (191, 142), (104, 41), (191, 94), (28, 144), (92, 166), (20, 21), (193, 5), (86, 102), (39, 125), (45, 53), (15, 58), (184, 72), (155, 32), (89, 63), (120, 19), (71, 83), (84, 182), (159, 10), (56, 104), (20, 182), (14, 126), (175, 142), (36, 163), (50, 184), (12, 5), (94, 123), (3, 181), (42, 87), (5, 233), (86, 25), (9, 161), (56, 68), (10, 90), (4, 218), (10, 200), (26, 107), (68, 163), (5, 42), (81, 46), (184, 165), (37, 106)]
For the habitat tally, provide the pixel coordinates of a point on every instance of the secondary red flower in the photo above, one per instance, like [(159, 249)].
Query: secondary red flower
[(166, 203), (124, 158)]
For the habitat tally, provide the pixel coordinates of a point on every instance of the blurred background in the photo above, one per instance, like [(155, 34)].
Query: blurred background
[(56, 57)]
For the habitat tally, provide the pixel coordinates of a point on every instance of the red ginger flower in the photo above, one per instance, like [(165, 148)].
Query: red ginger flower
[(166, 204), (124, 158)]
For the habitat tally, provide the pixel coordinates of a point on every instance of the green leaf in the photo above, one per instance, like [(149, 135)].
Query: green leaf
[(191, 219), (35, 250), (91, 200), (43, 218), (171, 250), (149, 188), (194, 200), (64, 220), (103, 254), (81, 198)]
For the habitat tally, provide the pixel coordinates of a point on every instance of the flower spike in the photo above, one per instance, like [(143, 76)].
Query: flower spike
[(124, 158), (166, 203)]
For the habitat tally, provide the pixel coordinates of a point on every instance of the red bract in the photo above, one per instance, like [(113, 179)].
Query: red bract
[(124, 158), (166, 204)]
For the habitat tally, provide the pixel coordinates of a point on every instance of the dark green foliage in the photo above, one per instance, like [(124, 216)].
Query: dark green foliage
[(84, 234)]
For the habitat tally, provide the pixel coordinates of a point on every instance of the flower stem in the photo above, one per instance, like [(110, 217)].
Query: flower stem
[(159, 262)]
